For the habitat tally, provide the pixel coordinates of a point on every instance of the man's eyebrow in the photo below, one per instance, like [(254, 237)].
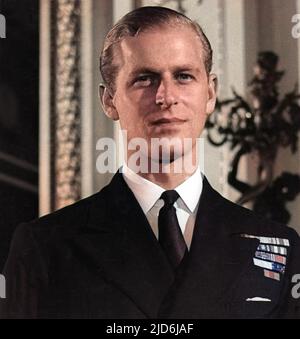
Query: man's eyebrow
[(143, 70), (176, 69), (186, 68)]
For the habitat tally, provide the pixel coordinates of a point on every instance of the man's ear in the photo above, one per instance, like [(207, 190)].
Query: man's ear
[(106, 100), (212, 93)]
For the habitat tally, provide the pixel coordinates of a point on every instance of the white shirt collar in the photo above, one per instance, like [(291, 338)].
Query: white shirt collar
[(147, 193), (190, 190)]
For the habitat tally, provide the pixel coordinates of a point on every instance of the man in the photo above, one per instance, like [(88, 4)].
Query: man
[(154, 244)]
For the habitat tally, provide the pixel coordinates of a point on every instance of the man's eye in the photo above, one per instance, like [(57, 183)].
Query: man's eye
[(143, 81), (185, 77)]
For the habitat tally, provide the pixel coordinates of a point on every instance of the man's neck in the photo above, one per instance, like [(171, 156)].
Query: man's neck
[(169, 176), (167, 181)]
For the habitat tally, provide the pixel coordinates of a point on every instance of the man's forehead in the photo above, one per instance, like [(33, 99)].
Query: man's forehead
[(150, 47), (182, 32)]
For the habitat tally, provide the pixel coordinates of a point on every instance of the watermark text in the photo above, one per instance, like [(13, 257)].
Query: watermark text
[(2, 287), (2, 27), (296, 27), (296, 287), (157, 155)]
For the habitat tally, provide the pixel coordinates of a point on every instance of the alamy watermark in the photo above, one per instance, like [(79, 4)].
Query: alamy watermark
[(296, 27), (2, 27), (296, 287), (157, 155), (2, 287)]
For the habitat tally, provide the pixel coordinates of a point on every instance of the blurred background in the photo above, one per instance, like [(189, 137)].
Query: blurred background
[(50, 117)]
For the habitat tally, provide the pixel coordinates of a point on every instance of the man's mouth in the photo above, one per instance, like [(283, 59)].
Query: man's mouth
[(168, 121)]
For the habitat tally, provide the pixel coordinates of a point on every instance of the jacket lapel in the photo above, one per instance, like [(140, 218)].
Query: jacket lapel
[(118, 240), (218, 257)]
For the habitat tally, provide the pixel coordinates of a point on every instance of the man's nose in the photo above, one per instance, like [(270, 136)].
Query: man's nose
[(166, 94)]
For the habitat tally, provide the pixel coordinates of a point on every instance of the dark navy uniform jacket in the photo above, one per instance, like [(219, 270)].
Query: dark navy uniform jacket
[(100, 259)]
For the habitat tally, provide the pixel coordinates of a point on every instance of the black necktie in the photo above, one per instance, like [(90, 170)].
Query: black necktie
[(170, 234)]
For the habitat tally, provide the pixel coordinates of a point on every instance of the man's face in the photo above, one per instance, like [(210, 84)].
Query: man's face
[(162, 88)]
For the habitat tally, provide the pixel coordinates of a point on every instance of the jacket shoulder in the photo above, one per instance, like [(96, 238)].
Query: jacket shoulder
[(69, 219), (259, 224)]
